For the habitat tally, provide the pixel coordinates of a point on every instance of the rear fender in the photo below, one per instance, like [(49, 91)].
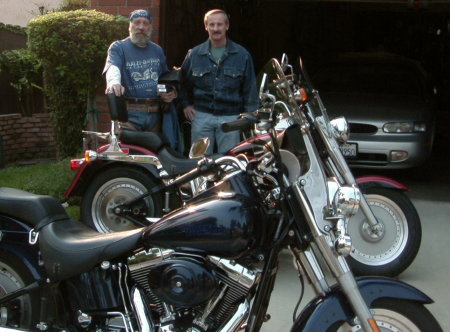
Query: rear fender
[(14, 241), (87, 171), (323, 312), (370, 181)]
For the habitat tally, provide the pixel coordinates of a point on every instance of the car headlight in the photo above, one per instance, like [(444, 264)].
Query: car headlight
[(404, 127)]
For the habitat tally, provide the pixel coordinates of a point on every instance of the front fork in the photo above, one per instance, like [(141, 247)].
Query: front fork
[(337, 264), (345, 176)]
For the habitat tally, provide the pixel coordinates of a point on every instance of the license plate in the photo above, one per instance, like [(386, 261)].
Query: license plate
[(349, 150)]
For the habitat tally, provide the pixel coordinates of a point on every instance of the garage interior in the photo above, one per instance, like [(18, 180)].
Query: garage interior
[(320, 29)]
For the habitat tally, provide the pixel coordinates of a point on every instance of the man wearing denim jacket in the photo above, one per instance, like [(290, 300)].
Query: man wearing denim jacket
[(219, 84)]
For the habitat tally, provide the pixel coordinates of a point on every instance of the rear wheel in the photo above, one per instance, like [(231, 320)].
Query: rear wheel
[(20, 312), (394, 315), (391, 250), (112, 188)]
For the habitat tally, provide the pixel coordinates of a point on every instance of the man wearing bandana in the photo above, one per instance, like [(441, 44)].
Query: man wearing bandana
[(132, 69)]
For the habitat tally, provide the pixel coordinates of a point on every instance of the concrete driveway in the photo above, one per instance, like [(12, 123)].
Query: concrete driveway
[(430, 271)]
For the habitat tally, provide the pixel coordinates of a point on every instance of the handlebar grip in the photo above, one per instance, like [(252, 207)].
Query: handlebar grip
[(240, 124), (191, 175), (204, 166)]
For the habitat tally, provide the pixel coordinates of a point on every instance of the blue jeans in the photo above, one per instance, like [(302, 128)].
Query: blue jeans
[(208, 125), (144, 121)]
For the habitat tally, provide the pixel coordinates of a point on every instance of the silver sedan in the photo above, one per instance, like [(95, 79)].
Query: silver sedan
[(388, 103)]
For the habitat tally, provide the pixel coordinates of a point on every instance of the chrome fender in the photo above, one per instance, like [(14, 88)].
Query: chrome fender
[(368, 181), (87, 171), (323, 312)]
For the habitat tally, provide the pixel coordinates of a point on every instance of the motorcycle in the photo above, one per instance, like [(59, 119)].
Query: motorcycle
[(211, 264), (386, 231)]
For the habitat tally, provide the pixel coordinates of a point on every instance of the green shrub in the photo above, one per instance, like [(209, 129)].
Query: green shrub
[(72, 46)]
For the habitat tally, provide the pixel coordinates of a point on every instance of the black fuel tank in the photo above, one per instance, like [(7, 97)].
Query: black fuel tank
[(225, 226)]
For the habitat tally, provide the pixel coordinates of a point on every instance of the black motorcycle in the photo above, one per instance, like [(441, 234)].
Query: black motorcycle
[(211, 264)]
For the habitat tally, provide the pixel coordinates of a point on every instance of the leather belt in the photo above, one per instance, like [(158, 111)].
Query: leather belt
[(145, 101), (149, 108)]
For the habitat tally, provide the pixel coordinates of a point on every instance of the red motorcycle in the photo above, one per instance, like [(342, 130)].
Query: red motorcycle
[(128, 183)]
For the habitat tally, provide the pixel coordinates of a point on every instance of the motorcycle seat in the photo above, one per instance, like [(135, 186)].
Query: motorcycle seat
[(173, 162), (146, 139), (30, 208), (69, 247)]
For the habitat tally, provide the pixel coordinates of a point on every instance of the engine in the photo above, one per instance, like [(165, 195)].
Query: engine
[(189, 292)]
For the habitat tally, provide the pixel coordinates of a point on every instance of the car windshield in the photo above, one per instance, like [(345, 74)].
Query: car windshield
[(363, 78)]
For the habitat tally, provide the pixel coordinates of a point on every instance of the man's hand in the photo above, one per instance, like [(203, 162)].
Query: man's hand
[(117, 89), (168, 97), (189, 112)]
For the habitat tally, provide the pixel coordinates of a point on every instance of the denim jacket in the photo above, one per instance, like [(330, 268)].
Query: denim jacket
[(224, 88)]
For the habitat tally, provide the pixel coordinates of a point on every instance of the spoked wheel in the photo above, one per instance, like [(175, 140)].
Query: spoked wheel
[(394, 315), (115, 187), (22, 311), (389, 250)]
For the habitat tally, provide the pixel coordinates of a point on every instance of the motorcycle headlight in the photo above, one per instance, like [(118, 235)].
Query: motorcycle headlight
[(340, 129), (347, 201)]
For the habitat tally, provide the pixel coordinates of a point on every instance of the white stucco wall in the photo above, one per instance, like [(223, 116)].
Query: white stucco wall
[(20, 12)]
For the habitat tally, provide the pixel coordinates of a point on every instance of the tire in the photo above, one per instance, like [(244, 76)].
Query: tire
[(115, 186), (21, 312), (390, 253), (397, 315)]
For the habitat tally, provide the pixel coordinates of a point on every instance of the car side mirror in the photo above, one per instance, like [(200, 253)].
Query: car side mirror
[(117, 107)]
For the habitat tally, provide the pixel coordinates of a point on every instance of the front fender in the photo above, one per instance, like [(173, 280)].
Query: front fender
[(323, 312), (369, 181)]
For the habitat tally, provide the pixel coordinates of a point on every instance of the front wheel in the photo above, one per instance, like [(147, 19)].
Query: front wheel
[(113, 187), (393, 315), (391, 249)]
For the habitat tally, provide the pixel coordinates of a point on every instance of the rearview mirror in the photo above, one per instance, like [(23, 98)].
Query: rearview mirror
[(199, 148)]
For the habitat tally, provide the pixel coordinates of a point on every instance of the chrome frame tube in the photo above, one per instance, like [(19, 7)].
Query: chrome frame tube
[(336, 263), (311, 268), (126, 322)]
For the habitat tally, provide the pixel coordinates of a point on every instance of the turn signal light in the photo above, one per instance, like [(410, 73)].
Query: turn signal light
[(90, 155), (303, 94)]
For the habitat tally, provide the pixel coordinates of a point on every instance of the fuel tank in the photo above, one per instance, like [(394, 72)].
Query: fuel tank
[(221, 223)]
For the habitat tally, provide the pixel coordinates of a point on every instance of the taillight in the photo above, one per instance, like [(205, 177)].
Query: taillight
[(76, 163)]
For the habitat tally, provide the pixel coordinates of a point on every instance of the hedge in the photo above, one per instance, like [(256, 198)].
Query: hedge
[(72, 47)]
